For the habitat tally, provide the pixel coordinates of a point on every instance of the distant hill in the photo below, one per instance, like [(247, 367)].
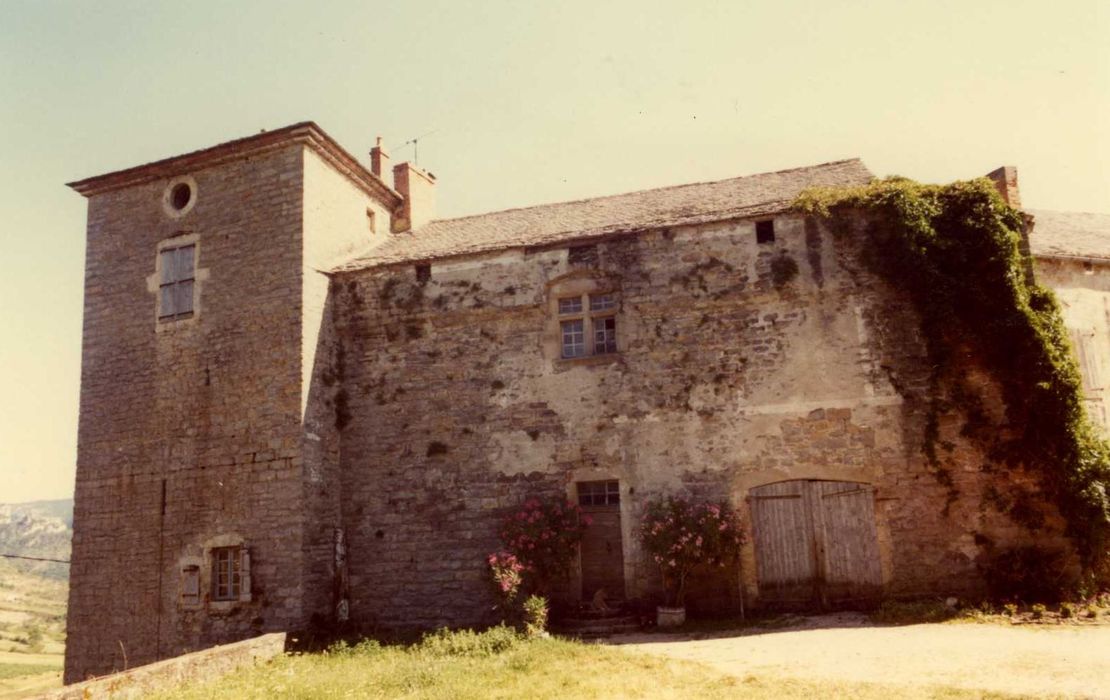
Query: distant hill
[(37, 529)]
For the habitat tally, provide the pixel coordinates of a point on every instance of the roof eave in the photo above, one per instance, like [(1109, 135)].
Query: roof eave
[(307, 133), (1073, 257), (565, 238)]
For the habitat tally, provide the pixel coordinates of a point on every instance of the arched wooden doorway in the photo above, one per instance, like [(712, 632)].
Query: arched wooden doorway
[(815, 543)]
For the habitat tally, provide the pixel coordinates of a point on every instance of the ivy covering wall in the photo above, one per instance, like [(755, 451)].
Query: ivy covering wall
[(956, 250)]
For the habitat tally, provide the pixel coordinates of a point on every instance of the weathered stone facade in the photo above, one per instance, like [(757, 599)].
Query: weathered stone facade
[(194, 434), (724, 381), (357, 436)]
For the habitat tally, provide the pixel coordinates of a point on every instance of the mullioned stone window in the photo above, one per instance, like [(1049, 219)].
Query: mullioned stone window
[(584, 315), (594, 314)]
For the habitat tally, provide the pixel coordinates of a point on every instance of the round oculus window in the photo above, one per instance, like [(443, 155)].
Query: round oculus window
[(181, 195)]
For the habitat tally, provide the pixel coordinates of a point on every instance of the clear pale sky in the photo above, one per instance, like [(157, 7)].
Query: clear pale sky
[(525, 102)]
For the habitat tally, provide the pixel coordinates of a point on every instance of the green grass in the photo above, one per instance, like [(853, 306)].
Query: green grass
[(499, 664), (16, 670)]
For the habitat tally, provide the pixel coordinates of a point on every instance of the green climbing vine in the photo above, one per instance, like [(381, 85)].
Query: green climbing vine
[(955, 250)]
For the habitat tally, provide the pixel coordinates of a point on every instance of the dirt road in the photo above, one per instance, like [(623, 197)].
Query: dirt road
[(1028, 660)]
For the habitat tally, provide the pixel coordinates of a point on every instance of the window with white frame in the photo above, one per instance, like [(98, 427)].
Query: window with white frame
[(227, 569), (587, 324), (177, 279)]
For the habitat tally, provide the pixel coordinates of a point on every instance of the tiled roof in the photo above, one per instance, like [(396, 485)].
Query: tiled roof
[(753, 195), (1070, 234)]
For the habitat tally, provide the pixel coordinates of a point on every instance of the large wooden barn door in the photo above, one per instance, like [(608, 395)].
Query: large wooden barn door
[(847, 544), (784, 544), (815, 542)]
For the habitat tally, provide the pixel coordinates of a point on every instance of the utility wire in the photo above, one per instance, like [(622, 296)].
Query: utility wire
[(20, 556)]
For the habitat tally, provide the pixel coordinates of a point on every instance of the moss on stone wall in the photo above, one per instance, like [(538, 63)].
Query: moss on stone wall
[(955, 250)]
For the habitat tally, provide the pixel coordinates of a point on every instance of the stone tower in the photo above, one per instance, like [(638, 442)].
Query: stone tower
[(206, 506)]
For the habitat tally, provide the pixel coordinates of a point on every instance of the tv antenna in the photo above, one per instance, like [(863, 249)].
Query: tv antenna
[(416, 145)]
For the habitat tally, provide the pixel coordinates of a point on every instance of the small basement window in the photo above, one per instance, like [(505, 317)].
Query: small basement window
[(599, 493), (765, 231), (176, 282)]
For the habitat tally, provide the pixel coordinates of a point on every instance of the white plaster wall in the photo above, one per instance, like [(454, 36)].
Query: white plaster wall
[(1083, 290), (335, 226)]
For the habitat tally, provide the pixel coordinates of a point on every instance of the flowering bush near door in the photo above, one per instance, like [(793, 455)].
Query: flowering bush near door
[(681, 536), (544, 536), (540, 542)]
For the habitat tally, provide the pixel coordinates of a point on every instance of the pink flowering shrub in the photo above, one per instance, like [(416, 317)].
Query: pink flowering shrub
[(680, 536), (543, 537), (507, 574)]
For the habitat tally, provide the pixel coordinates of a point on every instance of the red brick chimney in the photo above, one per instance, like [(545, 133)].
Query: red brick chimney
[(1006, 182), (419, 191), (379, 159)]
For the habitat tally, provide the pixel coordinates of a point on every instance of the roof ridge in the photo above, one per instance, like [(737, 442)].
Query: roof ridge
[(668, 188)]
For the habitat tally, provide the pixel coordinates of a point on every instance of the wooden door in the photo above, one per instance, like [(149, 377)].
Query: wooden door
[(602, 545), (784, 544), (847, 544), (815, 542)]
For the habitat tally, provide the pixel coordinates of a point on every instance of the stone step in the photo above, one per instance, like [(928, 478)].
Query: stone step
[(590, 623), (592, 627), (599, 631)]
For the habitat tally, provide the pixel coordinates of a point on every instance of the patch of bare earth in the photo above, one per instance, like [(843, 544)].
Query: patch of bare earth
[(1026, 660)]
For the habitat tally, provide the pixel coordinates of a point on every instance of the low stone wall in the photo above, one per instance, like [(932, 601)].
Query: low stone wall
[(197, 666)]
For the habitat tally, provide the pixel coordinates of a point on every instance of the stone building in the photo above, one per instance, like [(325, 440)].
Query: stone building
[(306, 399)]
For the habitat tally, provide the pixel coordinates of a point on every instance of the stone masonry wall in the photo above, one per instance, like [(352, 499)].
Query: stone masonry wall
[(336, 224), (739, 364), (190, 437), (165, 676)]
